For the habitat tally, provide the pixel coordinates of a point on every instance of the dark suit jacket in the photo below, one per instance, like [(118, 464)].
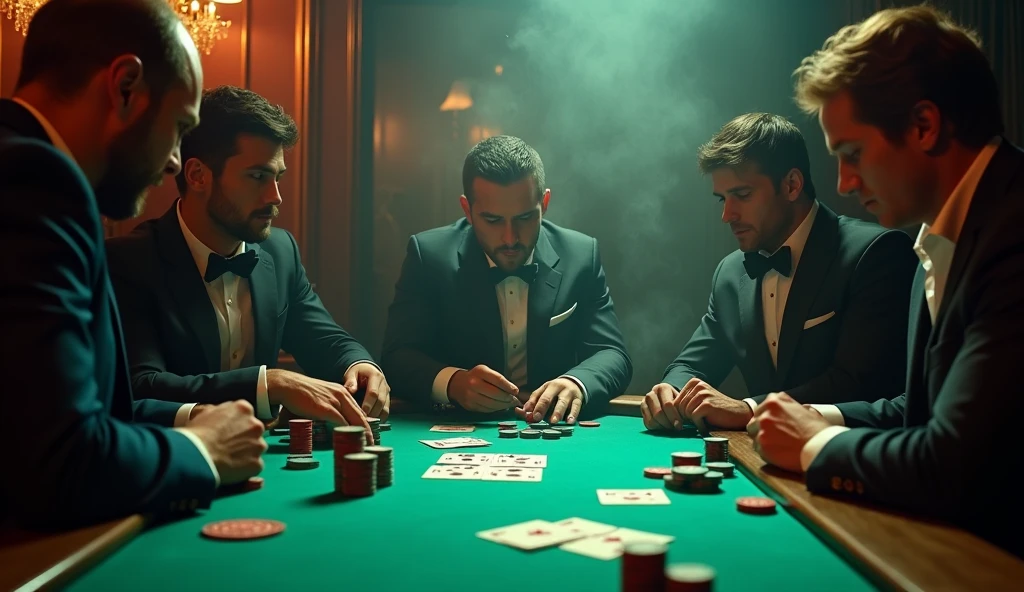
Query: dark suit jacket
[(852, 268), (445, 313), (950, 446), (171, 326), (66, 389)]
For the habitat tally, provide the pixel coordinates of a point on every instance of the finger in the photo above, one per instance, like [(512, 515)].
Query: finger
[(565, 397), (479, 385), (498, 380), (370, 398), (649, 422), (385, 410), (486, 403), (352, 379), (574, 411), (694, 402), (544, 401), (374, 385), (687, 393), (520, 413), (672, 415), (658, 419), (753, 426), (700, 413), (532, 401)]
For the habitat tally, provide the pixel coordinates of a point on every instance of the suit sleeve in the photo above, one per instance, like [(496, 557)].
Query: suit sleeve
[(882, 414), (604, 366), (153, 411), (320, 346), (708, 355), (412, 325), (82, 466), (933, 468), (871, 355), (146, 362)]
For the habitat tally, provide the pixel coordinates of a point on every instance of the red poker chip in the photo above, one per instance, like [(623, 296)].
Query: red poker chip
[(253, 484), (589, 424), (242, 529), (657, 472), (755, 505)]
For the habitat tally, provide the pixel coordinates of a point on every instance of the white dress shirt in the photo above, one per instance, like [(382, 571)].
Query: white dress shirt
[(181, 417), (513, 303), (934, 246), (775, 288)]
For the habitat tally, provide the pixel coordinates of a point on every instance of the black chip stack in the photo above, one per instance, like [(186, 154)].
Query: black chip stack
[(716, 450), (375, 428), (359, 474), (347, 440), (508, 433), (566, 431), (688, 479), (689, 577), (643, 566), (551, 434), (322, 435), (385, 464)]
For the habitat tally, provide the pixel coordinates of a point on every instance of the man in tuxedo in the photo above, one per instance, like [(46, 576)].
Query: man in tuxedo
[(915, 148), (505, 309), (812, 303), (105, 90), (210, 294)]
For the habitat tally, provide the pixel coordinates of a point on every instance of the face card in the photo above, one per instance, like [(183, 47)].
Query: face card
[(586, 528), (456, 472), (465, 458), (512, 474), (456, 443), (453, 428), (534, 534), (533, 461), (632, 497), (609, 545)]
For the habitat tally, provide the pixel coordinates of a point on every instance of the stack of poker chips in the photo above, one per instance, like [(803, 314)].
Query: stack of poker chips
[(530, 434), (322, 435), (385, 464), (375, 428), (565, 431), (716, 449), (508, 434), (643, 567), (300, 436), (347, 440), (725, 468), (690, 479), (689, 577), (550, 434), (686, 459), (359, 474)]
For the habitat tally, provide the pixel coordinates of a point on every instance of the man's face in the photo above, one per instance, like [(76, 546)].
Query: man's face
[(506, 219), (893, 182), (758, 213), (244, 199)]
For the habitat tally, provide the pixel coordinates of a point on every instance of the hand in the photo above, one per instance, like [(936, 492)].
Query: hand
[(702, 404), (657, 409), (482, 389), (377, 394), (316, 399), (234, 439), (565, 393), (783, 428), (197, 409)]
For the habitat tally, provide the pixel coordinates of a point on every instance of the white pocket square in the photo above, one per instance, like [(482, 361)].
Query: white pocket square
[(819, 320), (561, 317)]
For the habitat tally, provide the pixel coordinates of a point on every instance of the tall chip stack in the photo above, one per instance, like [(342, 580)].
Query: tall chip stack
[(385, 464), (716, 450), (322, 435), (300, 436), (689, 577), (643, 567), (347, 440), (375, 428), (359, 474)]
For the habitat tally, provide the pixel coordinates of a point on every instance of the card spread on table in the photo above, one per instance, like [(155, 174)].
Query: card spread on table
[(632, 497), (453, 428), (584, 527), (609, 545), (458, 472), (456, 443), (536, 461), (465, 458), (530, 535), (512, 474)]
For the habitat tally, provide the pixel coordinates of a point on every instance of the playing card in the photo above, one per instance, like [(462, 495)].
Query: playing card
[(609, 545), (536, 461), (512, 474), (465, 458), (586, 527), (534, 534), (459, 472), (453, 428), (456, 443), (632, 497)]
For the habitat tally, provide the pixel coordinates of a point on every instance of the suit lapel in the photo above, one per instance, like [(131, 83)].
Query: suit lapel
[(263, 290), (479, 301), (187, 287), (752, 326), (815, 260), (919, 331), (541, 304)]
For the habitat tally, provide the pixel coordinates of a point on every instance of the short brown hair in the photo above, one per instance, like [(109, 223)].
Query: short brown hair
[(503, 160), (770, 141), (898, 57)]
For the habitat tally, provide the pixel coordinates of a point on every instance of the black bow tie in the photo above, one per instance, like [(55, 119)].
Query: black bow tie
[(527, 273), (240, 265), (757, 264)]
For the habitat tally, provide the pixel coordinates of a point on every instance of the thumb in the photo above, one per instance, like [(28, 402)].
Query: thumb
[(352, 383)]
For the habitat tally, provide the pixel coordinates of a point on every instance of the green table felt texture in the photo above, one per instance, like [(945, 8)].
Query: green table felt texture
[(419, 534)]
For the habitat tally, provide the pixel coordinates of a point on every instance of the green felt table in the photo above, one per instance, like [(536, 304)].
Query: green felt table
[(419, 534)]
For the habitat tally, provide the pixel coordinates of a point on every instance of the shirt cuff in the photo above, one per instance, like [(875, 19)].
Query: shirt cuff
[(816, 443), (202, 450), (751, 403), (579, 383), (439, 392), (263, 411), (831, 413), (370, 362), (183, 414)]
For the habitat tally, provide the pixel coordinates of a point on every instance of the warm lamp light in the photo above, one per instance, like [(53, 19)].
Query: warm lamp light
[(458, 98), (202, 21), (20, 11)]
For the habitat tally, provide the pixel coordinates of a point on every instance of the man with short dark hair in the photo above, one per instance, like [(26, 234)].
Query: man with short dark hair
[(107, 88), (909, 104), (210, 294), (812, 303), (505, 310)]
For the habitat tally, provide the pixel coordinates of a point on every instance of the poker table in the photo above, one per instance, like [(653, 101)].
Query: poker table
[(420, 534)]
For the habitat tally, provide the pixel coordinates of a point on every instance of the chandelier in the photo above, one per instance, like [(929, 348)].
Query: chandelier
[(20, 11)]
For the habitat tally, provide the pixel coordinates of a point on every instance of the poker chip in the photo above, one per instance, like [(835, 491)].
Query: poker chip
[(550, 434), (643, 566), (529, 434), (300, 436), (716, 449), (689, 577), (539, 425), (301, 463), (359, 474), (242, 529), (725, 468), (512, 433), (507, 425), (385, 427), (691, 479), (374, 429), (684, 459), (385, 464), (657, 472), (755, 505), (589, 424), (566, 431), (346, 440), (252, 484)]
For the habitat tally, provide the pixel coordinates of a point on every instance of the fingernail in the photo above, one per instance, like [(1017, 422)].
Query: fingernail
[(678, 424), (570, 419)]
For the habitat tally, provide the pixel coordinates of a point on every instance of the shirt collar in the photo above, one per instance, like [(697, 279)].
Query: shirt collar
[(58, 142), (200, 252), (798, 239)]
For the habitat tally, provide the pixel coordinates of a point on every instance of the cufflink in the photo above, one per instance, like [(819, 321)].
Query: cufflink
[(837, 483)]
